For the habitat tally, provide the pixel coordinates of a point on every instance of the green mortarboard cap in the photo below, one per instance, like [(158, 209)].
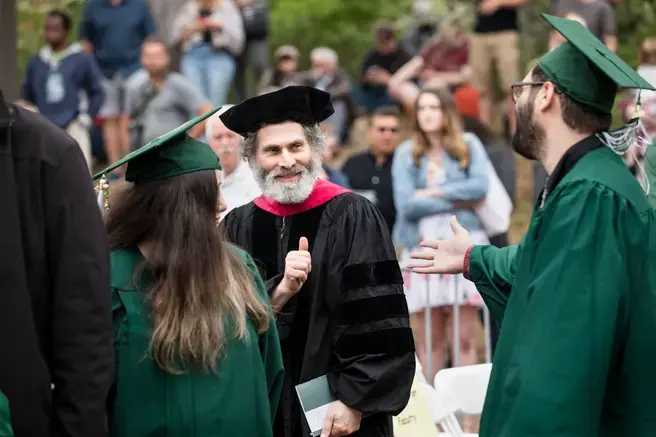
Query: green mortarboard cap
[(585, 70), (168, 155)]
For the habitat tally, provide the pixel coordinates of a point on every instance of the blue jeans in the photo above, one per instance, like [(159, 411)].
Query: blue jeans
[(370, 97), (210, 71)]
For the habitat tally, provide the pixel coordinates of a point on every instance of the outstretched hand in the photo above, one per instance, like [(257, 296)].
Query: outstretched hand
[(446, 256)]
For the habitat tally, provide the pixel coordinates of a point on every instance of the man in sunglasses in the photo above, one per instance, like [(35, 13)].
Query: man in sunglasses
[(238, 186), (370, 173), (576, 298)]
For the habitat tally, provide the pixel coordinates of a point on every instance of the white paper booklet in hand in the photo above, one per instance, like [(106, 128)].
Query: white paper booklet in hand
[(315, 397)]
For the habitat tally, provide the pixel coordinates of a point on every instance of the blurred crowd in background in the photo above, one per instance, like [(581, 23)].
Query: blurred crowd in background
[(130, 78)]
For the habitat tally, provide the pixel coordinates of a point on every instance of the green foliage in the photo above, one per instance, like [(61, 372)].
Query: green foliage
[(534, 31), (636, 19), (343, 25)]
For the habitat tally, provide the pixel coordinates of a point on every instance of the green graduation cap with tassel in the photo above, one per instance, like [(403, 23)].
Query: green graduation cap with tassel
[(172, 154), (590, 74), (585, 70)]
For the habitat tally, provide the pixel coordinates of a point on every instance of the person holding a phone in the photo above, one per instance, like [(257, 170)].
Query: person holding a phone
[(211, 36)]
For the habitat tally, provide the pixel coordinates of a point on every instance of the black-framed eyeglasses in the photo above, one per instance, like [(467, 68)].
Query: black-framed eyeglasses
[(517, 88)]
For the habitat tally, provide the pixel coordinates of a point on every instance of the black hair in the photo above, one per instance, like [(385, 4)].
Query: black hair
[(384, 111), (67, 21)]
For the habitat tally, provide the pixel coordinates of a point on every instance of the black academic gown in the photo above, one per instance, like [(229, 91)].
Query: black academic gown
[(350, 318), (55, 305)]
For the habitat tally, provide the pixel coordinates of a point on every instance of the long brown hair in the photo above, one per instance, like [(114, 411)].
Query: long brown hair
[(451, 132), (198, 281)]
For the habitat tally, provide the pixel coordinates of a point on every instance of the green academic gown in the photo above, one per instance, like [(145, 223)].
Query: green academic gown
[(149, 402), (576, 301), (5, 418)]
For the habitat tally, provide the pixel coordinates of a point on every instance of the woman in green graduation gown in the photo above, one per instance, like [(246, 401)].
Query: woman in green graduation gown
[(197, 352)]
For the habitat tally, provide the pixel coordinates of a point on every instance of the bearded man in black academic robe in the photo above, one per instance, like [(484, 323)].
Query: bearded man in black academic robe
[(330, 266), (56, 347)]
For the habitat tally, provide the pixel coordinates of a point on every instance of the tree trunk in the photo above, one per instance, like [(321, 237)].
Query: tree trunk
[(8, 50)]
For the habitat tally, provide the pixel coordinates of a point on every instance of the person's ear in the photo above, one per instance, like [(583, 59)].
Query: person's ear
[(546, 97)]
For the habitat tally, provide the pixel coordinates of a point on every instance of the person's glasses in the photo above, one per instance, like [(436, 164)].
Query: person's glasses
[(517, 88), (392, 130)]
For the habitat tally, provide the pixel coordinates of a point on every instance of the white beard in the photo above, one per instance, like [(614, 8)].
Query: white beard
[(288, 192)]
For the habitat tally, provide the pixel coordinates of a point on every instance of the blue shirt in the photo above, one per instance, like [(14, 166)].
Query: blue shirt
[(459, 185), (116, 33)]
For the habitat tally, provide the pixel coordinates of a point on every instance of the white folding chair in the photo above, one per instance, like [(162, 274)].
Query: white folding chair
[(459, 389)]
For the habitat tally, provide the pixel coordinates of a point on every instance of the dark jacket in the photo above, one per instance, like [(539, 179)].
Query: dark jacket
[(78, 72), (55, 305), (539, 177)]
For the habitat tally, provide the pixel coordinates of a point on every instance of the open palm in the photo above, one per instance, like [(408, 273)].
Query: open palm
[(446, 256)]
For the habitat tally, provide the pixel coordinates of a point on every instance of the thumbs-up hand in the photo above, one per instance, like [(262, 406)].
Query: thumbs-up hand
[(443, 257), (298, 265)]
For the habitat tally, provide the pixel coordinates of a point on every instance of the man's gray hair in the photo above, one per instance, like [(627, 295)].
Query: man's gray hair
[(313, 134), (209, 123), (324, 54)]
